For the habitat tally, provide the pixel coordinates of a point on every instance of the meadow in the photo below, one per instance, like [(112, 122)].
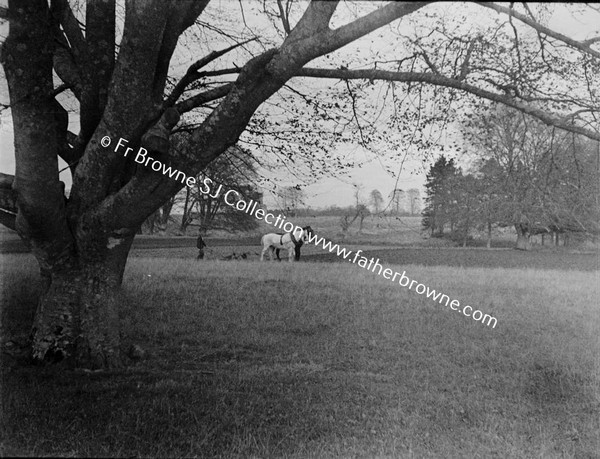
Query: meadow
[(319, 360)]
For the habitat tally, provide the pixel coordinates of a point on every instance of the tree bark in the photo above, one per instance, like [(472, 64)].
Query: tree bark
[(522, 237), (185, 220), (78, 316), (166, 212)]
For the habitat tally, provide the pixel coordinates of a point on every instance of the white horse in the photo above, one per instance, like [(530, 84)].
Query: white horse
[(290, 241)]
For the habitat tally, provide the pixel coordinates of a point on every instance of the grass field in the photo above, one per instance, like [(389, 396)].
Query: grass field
[(464, 258), (320, 360), (377, 231)]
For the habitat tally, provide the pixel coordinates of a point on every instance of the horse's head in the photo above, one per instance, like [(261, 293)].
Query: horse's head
[(306, 232)]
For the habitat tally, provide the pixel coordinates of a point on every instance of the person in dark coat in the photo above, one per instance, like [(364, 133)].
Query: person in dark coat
[(296, 251), (200, 244)]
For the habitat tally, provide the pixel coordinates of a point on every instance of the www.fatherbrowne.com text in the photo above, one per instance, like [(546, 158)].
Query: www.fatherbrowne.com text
[(233, 198), (402, 279)]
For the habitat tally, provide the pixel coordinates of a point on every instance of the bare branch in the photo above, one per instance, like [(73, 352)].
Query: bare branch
[(517, 48), (526, 6), (581, 46), (67, 70), (430, 64), (180, 16), (591, 41), (312, 36), (192, 73), (355, 115), (71, 137), (464, 68), (441, 80), (242, 12), (284, 18), (59, 89), (204, 97), (100, 27), (62, 10)]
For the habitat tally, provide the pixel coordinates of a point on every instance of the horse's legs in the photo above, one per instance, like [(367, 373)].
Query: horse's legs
[(297, 250), (277, 253), (291, 254), (262, 254), (271, 252)]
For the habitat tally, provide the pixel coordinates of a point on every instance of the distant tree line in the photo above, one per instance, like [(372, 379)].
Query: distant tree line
[(404, 203), (536, 179)]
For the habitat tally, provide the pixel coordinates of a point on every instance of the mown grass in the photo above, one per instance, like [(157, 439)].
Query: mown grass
[(459, 257), (464, 258), (322, 360)]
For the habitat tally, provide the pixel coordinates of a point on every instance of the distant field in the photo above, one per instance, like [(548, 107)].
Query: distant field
[(319, 360), (502, 258), (378, 232), (218, 248)]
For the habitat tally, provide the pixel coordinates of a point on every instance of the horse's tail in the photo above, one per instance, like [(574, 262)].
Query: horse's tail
[(262, 240)]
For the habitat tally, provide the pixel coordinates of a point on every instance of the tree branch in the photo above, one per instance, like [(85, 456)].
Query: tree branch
[(67, 70), (130, 107), (98, 63), (464, 68), (440, 80), (581, 46), (355, 114), (590, 41), (312, 37), (181, 16), (284, 18), (41, 211), (62, 11), (192, 73), (203, 98)]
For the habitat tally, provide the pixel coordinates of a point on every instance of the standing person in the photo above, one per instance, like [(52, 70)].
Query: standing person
[(200, 244)]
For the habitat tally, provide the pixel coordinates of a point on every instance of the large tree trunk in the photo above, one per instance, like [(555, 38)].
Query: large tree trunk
[(78, 315)]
